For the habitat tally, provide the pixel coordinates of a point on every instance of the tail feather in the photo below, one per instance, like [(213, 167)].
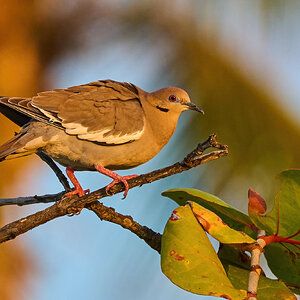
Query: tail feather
[(15, 147), (9, 147), (17, 117)]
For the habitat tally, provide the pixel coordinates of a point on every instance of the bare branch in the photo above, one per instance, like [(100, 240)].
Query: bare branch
[(74, 204), (20, 201), (153, 239)]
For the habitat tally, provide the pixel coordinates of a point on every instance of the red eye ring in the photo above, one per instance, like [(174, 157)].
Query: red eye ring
[(172, 98)]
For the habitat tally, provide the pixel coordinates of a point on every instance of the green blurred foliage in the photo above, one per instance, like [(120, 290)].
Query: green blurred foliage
[(262, 138)]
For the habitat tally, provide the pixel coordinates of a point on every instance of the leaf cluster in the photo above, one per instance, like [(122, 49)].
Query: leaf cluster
[(189, 260)]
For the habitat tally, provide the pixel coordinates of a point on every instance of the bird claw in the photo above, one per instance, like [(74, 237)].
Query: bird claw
[(72, 211), (122, 179), (77, 191)]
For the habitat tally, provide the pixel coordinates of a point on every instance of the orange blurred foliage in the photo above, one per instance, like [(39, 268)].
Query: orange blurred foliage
[(20, 71)]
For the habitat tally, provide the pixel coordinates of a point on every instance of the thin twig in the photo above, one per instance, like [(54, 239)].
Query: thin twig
[(74, 204), (59, 174), (20, 201), (255, 270)]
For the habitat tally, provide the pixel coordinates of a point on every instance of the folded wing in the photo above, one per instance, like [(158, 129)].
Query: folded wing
[(103, 111)]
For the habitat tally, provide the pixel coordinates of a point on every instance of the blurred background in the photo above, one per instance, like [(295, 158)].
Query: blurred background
[(238, 60)]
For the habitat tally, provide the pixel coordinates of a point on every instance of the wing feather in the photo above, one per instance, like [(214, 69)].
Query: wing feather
[(102, 111)]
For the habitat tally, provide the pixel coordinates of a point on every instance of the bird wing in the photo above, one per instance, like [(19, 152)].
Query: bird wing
[(102, 111)]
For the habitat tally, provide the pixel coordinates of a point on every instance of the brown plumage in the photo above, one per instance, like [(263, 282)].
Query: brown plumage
[(103, 124)]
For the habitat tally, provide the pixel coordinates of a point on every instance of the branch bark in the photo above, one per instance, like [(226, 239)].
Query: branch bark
[(153, 239), (71, 205), (255, 270)]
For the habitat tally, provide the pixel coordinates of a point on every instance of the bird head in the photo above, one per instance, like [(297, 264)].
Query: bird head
[(172, 99)]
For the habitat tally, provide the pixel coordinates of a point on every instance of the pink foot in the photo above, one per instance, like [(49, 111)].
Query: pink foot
[(121, 179), (78, 189), (116, 178)]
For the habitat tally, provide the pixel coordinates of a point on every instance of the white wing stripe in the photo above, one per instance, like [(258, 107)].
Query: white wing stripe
[(76, 128), (47, 114), (98, 136)]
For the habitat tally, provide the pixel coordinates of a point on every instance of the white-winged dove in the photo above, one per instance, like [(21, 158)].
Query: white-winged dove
[(104, 125)]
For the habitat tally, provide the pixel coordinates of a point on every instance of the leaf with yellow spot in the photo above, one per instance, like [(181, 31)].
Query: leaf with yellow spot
[(189, 260), (214, 225), (231, 216)]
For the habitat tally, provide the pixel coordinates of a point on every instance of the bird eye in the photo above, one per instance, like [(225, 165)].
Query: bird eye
[(172, 98)]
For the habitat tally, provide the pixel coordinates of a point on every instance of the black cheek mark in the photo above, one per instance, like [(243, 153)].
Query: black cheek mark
[(162, 109)]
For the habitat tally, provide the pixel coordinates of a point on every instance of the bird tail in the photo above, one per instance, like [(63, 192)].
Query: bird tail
[(15, 147)]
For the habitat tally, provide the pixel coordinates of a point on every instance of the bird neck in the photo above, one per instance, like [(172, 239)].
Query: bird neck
[(163, 127), (161, 124)]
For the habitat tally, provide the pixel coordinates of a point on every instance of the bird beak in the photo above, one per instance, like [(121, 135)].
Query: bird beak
[(192, 106)]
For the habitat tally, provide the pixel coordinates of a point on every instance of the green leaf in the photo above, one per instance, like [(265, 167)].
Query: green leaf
[(232, 255), (214, 225), (284, 259), (268, 289), (232, 217), (189, 260), (237, 265), (286, 207)]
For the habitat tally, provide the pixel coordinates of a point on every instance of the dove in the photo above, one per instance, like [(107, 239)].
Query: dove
[(101, 126)]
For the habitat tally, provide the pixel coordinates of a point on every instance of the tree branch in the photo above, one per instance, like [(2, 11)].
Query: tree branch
[(153, 239), (74, 204), (20, 201), (255, 270)]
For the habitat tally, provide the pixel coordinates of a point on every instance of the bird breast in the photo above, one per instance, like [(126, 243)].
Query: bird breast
[(82, 155)]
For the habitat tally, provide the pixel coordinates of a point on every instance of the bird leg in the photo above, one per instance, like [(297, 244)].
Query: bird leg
[(78, 189), (116, 178)]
